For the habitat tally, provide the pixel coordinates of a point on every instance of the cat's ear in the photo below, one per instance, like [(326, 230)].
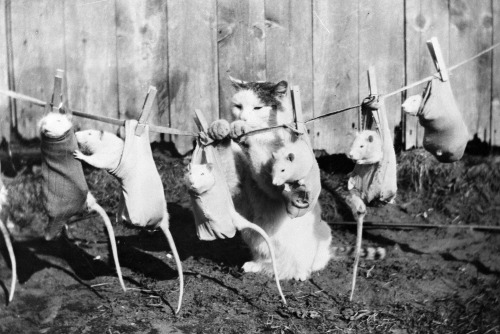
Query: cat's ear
[(275, 156), (291, 157), (237, 83), (210, 166), (281, 87)]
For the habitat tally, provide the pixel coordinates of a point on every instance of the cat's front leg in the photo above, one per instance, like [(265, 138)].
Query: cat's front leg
[(219, 129), (238, 129)]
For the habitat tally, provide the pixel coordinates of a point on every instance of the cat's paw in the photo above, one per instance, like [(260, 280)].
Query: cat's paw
[(301, 277), (219, 129), (252, 267), (238, 129)]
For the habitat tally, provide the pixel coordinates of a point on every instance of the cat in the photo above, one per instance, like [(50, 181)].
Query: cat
[(302, 244)]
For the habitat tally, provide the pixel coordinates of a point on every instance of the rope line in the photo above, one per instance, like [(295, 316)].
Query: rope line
[(286, 126), (173, 131), (104, 119)]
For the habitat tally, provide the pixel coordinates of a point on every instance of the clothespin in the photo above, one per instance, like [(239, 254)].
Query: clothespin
[(372, 86), (298, 116), (437, 58), (146, 111), (56, 101), (202, 124)]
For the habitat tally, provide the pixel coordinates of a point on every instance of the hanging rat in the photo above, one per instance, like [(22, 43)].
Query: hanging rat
[(142, 201), (65, 191)]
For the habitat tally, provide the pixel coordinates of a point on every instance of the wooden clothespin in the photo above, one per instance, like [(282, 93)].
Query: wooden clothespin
[(298, 116), (372, 86), (56, 101), (146, 111), (437, 58)]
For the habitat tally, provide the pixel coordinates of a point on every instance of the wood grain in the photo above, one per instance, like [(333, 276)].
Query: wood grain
[(38, 50), (471, 32), (4, 77), (381, 44), (241, 46), (91, 60), (335, 84), (495, 104), (192, 61), (289, 48), (142, 52), (424, 19)]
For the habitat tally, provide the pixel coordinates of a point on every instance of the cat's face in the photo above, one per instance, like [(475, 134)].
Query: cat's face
[(260, 104), (200, 178)]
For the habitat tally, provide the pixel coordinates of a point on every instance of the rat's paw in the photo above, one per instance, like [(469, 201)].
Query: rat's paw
[(219, 129), (78, 155), (252, 267), (238, 129)]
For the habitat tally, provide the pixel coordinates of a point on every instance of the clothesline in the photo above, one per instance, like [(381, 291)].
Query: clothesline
[(104, 119), (414, 84), (167, 130)]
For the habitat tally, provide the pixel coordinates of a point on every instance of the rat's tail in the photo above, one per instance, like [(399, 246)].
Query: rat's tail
[(165, 228), (92, 204), (241, 223)]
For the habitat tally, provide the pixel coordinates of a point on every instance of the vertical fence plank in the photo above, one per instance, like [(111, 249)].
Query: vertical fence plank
[(142, 58), (381, 44), (495, 108), (91, 60), (241, 46), (38, 50), (470, 33), (289, 47), (424, 19), (335, 54), (192, 59), (4, 77)]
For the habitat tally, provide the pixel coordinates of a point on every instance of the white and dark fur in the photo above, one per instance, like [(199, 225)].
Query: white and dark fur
[(302, 244)]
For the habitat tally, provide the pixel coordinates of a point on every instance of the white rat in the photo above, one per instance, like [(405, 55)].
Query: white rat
[(201, 181), (412, 104), (54, 124), (292, 163), (105, 151), (105, 148), (366, 148)]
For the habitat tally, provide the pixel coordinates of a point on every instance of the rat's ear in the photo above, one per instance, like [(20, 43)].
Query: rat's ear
[(291, 157), (370, 138), (210, 166), (275, 156)]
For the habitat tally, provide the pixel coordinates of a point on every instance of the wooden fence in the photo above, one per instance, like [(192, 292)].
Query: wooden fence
[(112, 50)]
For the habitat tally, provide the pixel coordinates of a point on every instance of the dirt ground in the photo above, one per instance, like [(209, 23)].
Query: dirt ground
[(433, 280)]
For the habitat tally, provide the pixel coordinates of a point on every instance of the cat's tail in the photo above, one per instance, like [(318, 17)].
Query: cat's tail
[(367, 253)]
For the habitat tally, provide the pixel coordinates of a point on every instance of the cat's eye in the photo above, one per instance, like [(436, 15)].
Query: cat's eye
[(362, 146), (238, 106), (257, 108)]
